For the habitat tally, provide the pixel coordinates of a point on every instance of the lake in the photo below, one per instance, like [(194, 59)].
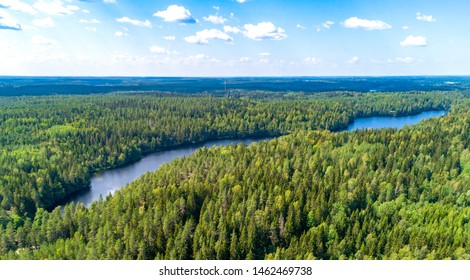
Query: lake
[(111, 180), (392, 122)]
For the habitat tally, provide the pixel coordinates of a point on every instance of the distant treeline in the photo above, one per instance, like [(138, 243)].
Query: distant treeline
[(17, 86)]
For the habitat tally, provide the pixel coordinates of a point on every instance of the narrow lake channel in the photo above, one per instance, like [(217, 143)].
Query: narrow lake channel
[(111, 180)]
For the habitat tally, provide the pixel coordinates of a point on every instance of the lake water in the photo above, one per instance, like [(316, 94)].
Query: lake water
[(111, 180), (392, 122)]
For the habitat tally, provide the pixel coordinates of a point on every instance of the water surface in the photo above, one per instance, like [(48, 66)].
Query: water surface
[(108, 181), (392, 122), (111, 180)]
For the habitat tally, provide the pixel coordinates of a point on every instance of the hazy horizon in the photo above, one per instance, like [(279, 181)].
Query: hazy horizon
[(233, 38)]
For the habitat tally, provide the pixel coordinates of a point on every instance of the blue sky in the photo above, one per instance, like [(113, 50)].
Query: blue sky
[(234, 37)]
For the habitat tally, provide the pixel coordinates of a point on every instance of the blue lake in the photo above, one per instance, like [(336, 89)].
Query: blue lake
[(392, 122), (109, 181)]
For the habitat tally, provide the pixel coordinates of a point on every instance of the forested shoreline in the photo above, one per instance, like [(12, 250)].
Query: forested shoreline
[(205, 206)]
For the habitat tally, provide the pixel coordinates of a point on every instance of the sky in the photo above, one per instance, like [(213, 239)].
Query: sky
[(234, 38)]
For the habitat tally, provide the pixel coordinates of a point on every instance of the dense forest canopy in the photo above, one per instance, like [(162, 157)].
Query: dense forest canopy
[(314, 193), (34, 86)]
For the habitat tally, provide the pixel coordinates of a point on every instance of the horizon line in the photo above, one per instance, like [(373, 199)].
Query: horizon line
[(224, 77)]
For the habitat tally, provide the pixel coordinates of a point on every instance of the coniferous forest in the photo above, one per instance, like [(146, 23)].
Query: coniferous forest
[(313, 192)]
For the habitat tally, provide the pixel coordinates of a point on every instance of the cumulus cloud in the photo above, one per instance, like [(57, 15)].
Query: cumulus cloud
[(43, 41), (311, 60), (414, 41), (423, 17), (231, 29), (300, 26), (264, 31), (159, 50), (109, 1), (55, 7), (135, 22), (8, 22), (327, 24), (16, 5), (355, 22), (120, 34), (44, 22), (241, 1), (169, 38), (215, 19), (353, 60), (175, 13), (196, 59), (265, 54), (245, 59), (202, 37), (90, 21), (403, 59)]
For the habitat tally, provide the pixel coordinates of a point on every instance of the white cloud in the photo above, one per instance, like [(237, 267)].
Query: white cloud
[(264, 54), (215, 19), (405, 27), (216, 8), (44, 22), (8, 22), (414, 41), (86, 11), (169, 38), (17, 5), (90, 21), (264, 61), (54, 7), (355, 22), (159, 50), (241, 1), (175, 13), (353, 60), (199, 56), (405, 59), (202, 37), (300, 26), (135, 22), (245, 59), (420, 16), (231, 29), (264, 31), (42, 41), (109, 1), (73, 8), (195, 59), (327, 24), (120, 34), (92, 29), (311, 60)]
